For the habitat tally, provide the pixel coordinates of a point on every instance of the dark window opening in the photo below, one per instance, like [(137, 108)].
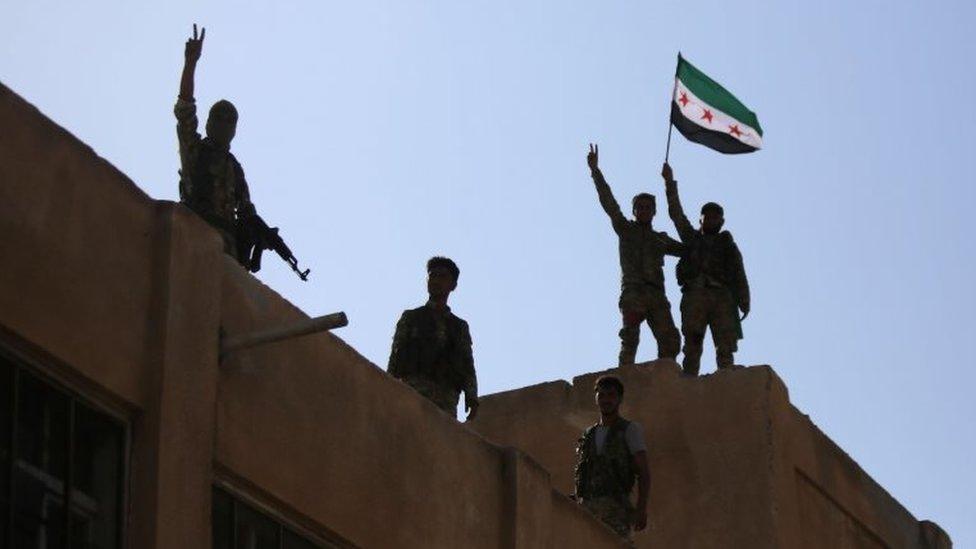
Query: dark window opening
[(61, 467), (237, 525)]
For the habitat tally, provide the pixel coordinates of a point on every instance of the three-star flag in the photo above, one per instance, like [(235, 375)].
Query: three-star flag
[(706, 113)]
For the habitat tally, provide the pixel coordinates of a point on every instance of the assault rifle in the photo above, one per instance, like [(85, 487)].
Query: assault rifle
[(254, 236)]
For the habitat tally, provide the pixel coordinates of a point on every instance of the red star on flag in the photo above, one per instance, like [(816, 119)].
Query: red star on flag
[(734, 130), (684, 99), (707, 115)]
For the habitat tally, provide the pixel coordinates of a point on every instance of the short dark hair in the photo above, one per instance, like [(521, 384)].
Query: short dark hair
[(644, 196), (439, 261), (607, 382), (714, 207)]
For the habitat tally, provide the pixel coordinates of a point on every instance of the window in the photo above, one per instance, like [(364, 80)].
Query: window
[(61, 467), (237, 525)]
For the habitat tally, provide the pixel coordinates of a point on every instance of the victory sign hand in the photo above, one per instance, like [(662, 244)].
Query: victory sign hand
[(194, 46), (593, 158)]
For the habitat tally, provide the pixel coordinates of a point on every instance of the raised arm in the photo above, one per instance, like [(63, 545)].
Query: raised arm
[(186, 116), (603, 191), (191, 54), (685, 230)]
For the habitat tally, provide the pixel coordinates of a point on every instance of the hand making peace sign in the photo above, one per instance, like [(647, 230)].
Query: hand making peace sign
[(194, 46)]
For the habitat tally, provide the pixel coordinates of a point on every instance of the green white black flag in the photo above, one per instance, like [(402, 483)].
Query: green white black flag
[(706, 113)]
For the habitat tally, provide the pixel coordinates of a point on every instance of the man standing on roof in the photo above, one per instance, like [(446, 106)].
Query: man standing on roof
[(610, 456), (212, 181), (712, 279), (432, 347), (642, 251)]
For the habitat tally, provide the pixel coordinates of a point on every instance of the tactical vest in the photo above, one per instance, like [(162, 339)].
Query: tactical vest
[(611, 473), (433, 351), (713, 259), (202, 200)]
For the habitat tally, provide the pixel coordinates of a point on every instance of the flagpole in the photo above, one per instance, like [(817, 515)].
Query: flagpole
[(674, 91), (667, 150)]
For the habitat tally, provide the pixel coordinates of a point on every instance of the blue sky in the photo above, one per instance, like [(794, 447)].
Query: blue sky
[(376, 134)]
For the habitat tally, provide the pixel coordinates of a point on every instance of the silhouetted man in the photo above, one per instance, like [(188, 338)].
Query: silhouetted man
[(432, 347), (610, 456), (642, 251), (212, 181), (712, 279)]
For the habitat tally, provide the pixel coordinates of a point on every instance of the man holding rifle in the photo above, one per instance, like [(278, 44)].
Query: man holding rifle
[(212, 181)]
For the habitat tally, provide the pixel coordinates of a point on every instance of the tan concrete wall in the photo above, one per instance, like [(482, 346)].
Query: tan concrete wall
[(362, 455), (65, 216), (733, 463), (124, 297), (696, 438), (118, 296), (825, 499)]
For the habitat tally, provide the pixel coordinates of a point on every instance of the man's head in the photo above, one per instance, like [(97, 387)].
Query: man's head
[(644, 207), (442, 276), (609, 391), (712, 218), (222, 123)]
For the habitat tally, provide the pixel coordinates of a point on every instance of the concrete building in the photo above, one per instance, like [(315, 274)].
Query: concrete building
[(122, 426)]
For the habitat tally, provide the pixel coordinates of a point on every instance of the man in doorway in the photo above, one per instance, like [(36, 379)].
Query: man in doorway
[(610, 456), (712, 279), (432, 347), (642, 251)]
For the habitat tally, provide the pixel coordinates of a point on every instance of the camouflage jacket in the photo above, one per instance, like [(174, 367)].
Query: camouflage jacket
[(212, 181), (710, 260), (611, 473), (435, 346), (642, 250)]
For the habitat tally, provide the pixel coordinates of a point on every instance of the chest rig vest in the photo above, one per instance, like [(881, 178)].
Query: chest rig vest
[(611, 473), (711, 256), (214, 203)]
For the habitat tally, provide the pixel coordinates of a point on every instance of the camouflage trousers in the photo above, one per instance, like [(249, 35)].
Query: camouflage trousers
[(446, 398), (615, 512), (648, 304), (713, 309)]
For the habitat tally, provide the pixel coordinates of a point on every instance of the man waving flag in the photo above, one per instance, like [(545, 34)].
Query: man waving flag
[(706, 113)]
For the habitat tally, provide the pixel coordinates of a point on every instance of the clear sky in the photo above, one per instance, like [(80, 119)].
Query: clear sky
[(376, 134)]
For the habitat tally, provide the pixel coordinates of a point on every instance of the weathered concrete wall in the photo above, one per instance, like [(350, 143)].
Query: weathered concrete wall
[(697, 438), (72, 223), (825, 499), (325, 431), (733, 464), (117, 295), (123, 297)]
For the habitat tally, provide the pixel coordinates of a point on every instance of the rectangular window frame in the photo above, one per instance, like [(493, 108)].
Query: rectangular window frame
[(239, 491), (65, 380)]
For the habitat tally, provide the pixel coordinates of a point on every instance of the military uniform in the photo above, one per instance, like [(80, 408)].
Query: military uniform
[(605, 478), (212, 181), (432, 353), (642, 295), (713, 286)]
